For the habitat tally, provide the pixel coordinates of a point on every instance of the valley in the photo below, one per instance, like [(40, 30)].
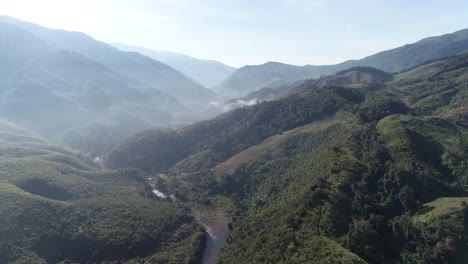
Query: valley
[(117, 153), (353, 168)]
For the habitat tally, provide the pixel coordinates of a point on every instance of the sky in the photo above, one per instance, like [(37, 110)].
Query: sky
[(248, 32)]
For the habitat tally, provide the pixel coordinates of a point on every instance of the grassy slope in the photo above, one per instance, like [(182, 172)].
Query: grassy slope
[(440, 207), (266, 149)]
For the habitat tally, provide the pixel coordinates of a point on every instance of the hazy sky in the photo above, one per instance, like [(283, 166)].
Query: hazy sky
[(240, 32)]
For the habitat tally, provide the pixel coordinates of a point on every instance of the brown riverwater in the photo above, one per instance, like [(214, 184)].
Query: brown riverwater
[(217, 230), (215, 222)]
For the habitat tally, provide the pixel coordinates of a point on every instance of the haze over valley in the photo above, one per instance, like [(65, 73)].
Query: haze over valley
[(116, 148), (111, 93)]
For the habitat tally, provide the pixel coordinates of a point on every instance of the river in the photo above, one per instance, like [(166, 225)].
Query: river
[(217, 230), (215, 222)]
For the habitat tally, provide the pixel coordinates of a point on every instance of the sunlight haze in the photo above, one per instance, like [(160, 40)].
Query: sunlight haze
[(250, 32), (234, 131)]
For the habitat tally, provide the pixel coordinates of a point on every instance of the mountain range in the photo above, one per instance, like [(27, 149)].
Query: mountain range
[(357, 77), (207, 72), (360, 167), (89, 88), (104, 159), (133, 65), (273, 74)]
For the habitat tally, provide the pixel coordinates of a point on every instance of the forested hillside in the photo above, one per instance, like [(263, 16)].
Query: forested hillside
[(342, 172), (340, 136), (58, 207)]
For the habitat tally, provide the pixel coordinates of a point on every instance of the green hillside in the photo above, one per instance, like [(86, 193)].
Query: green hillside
[(331, 174), (57, 207)]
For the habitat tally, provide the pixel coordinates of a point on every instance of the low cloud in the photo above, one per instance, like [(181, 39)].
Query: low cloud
[(230, 105)]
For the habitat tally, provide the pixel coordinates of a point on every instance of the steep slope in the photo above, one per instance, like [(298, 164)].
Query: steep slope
[(364, 172), (207, 72), (401, 58), (136, 66), (212, 141), (72, 75), (16, 48), (57, 207), (12, 133), (248, 79), (356, 77), (33, 105), (270, 74), (54, 91)]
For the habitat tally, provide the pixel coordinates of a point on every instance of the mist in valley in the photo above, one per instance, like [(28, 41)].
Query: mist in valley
[(233, 132)]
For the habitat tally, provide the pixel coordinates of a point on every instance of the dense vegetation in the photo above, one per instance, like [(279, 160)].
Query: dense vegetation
[(215, 140), (57, 207), (363, 166), (331, 174)]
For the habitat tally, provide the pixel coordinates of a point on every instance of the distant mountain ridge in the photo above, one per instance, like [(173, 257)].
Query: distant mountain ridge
[(207, 72), (356, 77), (131, 64), (72, 89), (53, 90), (401, 58), (270, 74), (251, 78)]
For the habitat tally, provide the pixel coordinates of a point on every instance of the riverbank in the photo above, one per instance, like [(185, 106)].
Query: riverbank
[(213, 217), (216, 224)]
